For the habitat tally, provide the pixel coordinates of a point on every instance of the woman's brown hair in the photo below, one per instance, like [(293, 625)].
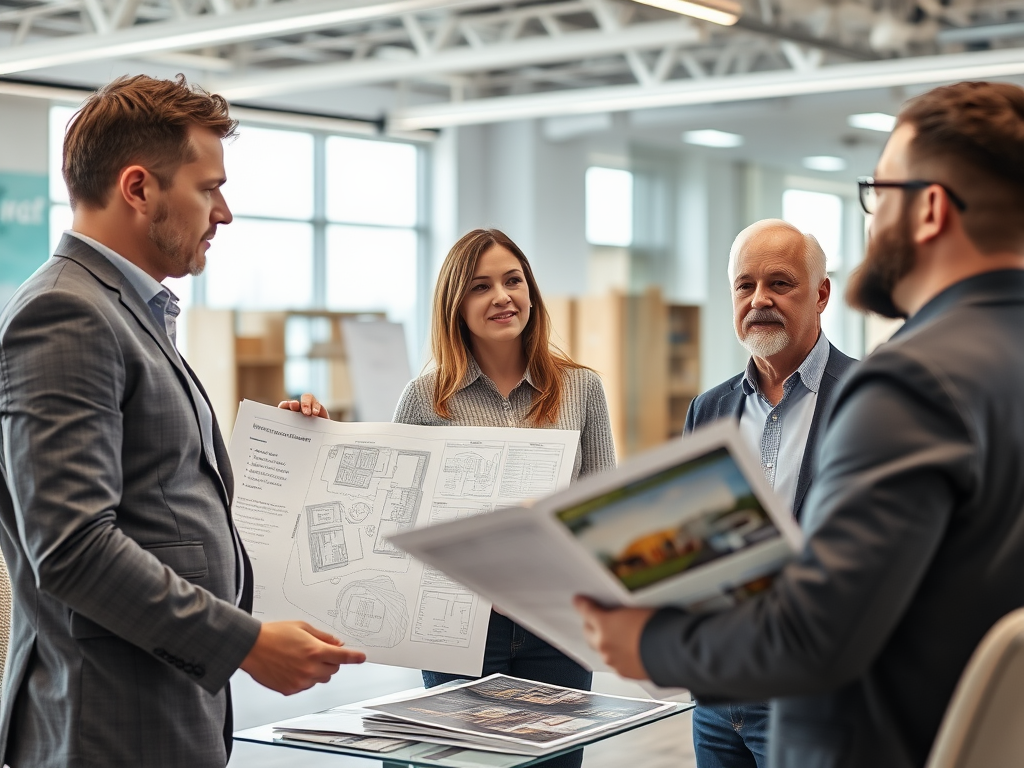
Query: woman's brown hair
[(450, 340)]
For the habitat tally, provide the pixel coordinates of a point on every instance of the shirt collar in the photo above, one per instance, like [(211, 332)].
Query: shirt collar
[(809, 373), (473, 373), (146, 286)]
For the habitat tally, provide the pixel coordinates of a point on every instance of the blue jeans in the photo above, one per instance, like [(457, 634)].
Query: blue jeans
[(515, 651), (731, 735)]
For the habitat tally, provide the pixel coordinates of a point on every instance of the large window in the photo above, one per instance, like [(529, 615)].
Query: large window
[(609, 212), (828, 217), (320, 221), (819, 214), (372, 244)]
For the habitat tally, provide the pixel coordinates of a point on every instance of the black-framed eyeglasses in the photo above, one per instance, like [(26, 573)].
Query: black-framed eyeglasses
[(866, 186)]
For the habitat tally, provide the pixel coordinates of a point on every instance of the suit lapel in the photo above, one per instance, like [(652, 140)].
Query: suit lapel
[(219, 449), (100, 267), (731, 405)]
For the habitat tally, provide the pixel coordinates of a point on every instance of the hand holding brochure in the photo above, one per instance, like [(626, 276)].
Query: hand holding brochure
[(692, 524)]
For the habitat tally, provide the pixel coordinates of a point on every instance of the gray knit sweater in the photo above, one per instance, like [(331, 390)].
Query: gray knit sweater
[(478, 403)]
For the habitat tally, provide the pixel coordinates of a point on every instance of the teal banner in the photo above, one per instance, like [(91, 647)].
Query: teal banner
[(24, 228)]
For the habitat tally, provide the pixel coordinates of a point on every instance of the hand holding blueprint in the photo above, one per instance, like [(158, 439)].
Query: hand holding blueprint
[(316, 503), (692, 524)]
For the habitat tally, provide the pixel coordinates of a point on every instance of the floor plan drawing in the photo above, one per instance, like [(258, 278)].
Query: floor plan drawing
[(372, 610), (321, 538), (470, 470), (444, 617), (365, 494), (328, 548)]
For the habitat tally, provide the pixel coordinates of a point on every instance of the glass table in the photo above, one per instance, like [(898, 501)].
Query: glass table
[(437, 755)]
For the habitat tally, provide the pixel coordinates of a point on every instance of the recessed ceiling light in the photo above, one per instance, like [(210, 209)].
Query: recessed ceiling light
[(873, 121), (713, 138), (824, 163)]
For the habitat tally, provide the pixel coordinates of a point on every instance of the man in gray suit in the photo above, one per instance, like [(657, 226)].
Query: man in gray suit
[(780, 287), (915, 521), (132, 590)]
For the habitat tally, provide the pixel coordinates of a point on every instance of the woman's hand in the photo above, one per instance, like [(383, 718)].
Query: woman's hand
[(307, 405)]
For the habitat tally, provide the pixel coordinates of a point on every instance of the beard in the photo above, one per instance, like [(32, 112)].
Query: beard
[(170, 238), (764, 342), (888, 258)]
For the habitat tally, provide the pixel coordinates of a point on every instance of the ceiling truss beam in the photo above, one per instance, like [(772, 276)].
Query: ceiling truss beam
[(482, 57)]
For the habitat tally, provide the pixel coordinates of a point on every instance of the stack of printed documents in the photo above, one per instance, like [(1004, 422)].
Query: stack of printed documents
[(495, 714)]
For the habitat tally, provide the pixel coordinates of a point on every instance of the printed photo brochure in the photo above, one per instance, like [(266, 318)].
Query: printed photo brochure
[(692, 524)]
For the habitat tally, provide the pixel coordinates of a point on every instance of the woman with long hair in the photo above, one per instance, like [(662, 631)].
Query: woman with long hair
[(495, 366)]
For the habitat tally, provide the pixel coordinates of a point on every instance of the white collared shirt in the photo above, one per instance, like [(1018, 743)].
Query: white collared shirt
[(778, 433)]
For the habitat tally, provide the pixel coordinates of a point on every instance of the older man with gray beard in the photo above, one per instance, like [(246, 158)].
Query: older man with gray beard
[(779, 290)]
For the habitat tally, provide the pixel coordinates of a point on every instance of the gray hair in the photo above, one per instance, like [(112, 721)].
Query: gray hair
[(816, 262)]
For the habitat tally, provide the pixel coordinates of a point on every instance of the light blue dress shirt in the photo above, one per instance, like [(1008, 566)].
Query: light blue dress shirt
[(778, 433), (164, 305)]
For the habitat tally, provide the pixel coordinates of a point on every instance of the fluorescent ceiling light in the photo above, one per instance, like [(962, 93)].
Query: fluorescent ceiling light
[(826, 163), (873, 121), (713, 138), (724, 12)]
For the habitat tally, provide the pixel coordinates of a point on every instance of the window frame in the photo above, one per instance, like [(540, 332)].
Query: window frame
[(320, 222)]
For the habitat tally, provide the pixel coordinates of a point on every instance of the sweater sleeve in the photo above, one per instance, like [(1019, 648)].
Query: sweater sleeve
[(415, 406), (596, 444)]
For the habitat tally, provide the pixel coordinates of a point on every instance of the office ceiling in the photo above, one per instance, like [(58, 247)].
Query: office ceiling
[(457, 62)]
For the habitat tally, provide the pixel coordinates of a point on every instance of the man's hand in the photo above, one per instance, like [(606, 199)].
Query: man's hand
[(291, 656), (615, 634), (307, 405)]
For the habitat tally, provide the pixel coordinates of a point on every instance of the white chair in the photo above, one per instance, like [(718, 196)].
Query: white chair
[(984, 723)]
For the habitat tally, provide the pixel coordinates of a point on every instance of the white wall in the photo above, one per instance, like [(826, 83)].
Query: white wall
[(510, 177), (24, 128), (23, 150)]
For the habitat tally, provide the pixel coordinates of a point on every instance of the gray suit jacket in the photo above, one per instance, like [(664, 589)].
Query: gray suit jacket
[(727, 401), (915, 548), (117, 533)]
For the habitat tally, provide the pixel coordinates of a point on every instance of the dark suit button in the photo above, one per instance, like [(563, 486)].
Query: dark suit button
[(188, 668), (179, 663), (200, 670)]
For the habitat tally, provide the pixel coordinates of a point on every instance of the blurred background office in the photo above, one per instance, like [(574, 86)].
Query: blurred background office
[(621, 145)]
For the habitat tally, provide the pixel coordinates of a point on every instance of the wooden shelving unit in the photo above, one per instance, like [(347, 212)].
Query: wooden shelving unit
[(242, 355), (647, 353), (683, 329)]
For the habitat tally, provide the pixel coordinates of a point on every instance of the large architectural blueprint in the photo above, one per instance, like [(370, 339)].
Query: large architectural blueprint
[(317, 501)]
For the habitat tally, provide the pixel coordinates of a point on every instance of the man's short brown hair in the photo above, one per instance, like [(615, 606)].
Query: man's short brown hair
[(970, 136), (136, 120)]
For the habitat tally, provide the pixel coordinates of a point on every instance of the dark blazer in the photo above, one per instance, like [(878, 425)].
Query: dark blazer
[(915, 548), (117, 531), (727, 401)]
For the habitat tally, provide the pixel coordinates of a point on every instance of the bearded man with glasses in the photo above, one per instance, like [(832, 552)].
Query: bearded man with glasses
[(915, 521)]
